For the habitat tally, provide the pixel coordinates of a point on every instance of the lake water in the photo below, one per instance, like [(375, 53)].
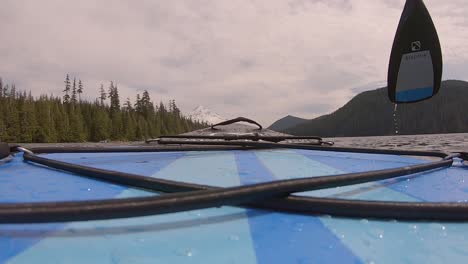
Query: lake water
[(436, 142), (439, 142)]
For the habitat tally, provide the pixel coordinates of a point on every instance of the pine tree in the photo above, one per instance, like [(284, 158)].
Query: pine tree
[(5, 90), (13, 91), (80, 90), (66, 96), (73, 97), (146, 105), (138, 105), (175, 109), (128, 105), (102, 95), (114, 111), (114, 98)]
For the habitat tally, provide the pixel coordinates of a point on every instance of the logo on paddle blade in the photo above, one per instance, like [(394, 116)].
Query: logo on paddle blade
[(416, 46)]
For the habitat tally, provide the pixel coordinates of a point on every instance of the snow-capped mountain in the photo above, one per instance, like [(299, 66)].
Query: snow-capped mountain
[(201, 113)]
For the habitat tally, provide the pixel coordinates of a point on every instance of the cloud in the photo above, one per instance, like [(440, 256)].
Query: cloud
[(262, 59)]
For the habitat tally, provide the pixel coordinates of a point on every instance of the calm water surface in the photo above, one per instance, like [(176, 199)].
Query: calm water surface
[(437, 142)]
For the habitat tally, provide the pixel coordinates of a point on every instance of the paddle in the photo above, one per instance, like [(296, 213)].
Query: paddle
[(415, 68)]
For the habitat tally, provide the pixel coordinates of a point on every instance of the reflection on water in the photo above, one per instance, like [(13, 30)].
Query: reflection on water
[(438, 142)]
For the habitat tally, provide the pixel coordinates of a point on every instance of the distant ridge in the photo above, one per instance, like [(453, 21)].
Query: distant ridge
[(371, 114), (286, 123)]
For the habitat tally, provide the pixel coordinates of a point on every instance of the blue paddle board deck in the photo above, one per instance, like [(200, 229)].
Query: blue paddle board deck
[(232, 234)]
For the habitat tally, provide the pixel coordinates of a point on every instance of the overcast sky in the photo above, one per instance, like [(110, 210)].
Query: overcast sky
[(262, 59)]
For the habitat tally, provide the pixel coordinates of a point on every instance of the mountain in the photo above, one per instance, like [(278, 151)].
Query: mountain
[(286, 122), (203, 114), (372, 114)]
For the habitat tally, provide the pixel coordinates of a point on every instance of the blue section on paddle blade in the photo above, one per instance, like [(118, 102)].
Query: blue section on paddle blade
[(28, 182), (288, 238), (414, 94)]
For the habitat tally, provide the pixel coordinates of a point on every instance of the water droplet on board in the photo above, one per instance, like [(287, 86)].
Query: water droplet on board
[(195, 213), (299, 227), (185, 252)]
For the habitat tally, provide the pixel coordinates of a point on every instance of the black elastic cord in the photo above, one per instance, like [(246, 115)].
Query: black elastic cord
[(266, 195), (160, 148), (207, 197), (251, 136), (268, 145), (236, 120)]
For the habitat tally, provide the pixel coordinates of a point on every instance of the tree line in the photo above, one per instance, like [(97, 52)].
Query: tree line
[(69, 118)]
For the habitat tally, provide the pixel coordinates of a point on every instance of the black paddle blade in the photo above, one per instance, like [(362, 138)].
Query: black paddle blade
[(415, 69)]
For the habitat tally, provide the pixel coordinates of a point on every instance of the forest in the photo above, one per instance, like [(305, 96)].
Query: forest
[(70, 118)]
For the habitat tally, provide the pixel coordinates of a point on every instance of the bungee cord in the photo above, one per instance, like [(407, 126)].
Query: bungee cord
[(274, 195)]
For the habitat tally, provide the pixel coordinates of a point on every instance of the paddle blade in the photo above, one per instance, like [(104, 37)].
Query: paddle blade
[(415, 68)]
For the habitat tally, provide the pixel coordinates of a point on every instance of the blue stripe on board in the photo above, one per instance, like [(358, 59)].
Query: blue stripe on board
[(416, 242), (25, 182), (213, 235), (447, 185), (288, 238), (143, 163)]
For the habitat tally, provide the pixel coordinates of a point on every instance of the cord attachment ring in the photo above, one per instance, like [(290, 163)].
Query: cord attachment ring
[(24, 150)]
